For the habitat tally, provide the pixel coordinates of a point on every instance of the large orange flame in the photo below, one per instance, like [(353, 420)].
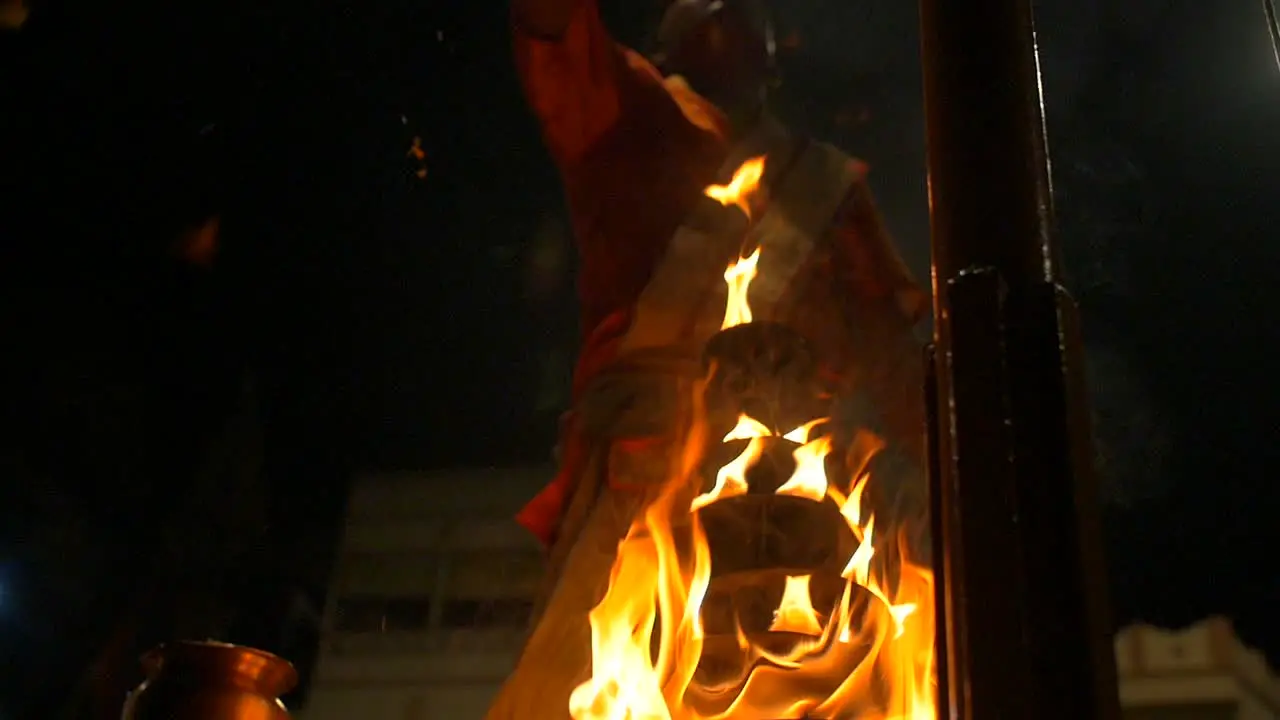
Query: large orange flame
[(870, 657)]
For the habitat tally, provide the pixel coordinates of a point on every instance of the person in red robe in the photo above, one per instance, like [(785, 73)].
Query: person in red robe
[(635, 151)]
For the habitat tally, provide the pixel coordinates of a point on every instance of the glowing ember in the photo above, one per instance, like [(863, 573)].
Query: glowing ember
[(871, 658)]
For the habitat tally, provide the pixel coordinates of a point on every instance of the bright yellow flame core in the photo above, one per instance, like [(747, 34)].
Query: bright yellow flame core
[(795, 611), (737, 311), (871, 657), (739, 191)]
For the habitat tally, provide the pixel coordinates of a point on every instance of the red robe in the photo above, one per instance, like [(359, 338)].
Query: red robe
[(635, 154)]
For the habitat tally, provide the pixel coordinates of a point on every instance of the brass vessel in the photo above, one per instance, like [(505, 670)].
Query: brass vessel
[(210, 681)]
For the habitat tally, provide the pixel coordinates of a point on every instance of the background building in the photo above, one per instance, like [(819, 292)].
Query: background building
[(434, 584), (431, 596), (1199, 673)]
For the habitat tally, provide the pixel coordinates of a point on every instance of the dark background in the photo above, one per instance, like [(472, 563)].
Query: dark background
[(181, 426)]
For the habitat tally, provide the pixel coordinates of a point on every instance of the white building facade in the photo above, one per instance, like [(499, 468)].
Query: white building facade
[(1199, 673), (430, 597), (434, 587)]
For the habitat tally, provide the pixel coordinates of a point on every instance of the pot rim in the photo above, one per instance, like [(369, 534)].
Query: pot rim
[(265, 672)]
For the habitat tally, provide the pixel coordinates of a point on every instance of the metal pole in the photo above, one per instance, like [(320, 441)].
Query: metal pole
[(1027, 633)]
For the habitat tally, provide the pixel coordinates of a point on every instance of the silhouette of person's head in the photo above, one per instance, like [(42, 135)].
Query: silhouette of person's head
[(722, 48)]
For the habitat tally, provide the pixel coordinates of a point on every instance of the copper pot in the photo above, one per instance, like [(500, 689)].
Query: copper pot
[(210, 681)]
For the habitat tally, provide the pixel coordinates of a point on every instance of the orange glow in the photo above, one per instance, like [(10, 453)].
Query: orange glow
[(869, 656), (419, 155), (199, 245), (13, 14)]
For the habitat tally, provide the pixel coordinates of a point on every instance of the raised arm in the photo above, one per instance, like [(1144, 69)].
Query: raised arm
[(572, 72)]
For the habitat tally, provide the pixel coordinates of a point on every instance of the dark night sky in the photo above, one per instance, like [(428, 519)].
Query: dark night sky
[(388, 321)]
